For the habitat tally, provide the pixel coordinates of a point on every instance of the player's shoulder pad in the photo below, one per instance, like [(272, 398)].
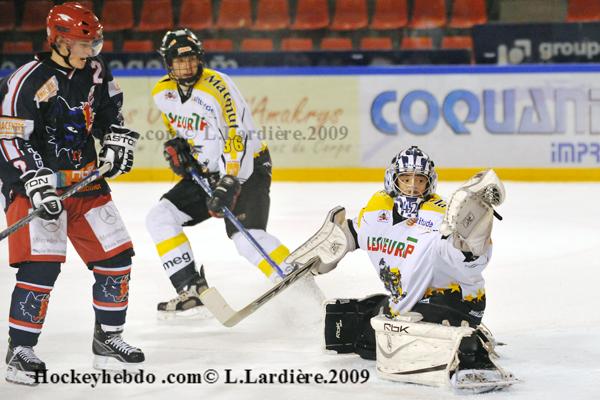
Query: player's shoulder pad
[(214, 79), (164, 83), (435, 204), (379, 201), (208, 72)]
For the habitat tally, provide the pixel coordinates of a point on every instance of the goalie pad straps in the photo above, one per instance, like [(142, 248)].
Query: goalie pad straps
[(328, 246)]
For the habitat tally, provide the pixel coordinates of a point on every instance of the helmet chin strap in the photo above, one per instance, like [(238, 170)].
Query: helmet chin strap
[(185, 89), (65, 58)]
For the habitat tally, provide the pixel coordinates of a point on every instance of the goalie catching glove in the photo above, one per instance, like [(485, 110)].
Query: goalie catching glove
[(117, 149), (40, 187), (470, 212)]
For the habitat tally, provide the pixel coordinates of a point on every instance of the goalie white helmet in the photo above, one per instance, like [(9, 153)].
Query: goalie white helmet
[(410, 179)]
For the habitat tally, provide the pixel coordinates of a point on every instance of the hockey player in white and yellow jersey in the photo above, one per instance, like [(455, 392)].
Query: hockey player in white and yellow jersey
[(399, 230), (430, 256), (213, 132)]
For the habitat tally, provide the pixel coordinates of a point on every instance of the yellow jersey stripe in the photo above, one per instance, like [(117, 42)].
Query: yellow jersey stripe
[(277, 255), (167, 245), (217, 87), (165, 83), (436, 204)]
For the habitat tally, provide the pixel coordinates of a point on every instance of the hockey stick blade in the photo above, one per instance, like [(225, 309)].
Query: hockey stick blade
[(226, 315)]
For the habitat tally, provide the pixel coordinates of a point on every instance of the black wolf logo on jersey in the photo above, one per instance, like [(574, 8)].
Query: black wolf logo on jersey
[(71, 129), (35, 307), (391, 280), (116, 289)]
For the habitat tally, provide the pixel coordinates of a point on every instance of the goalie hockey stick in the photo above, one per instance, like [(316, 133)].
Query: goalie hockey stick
[(68, 193), (233, 219), (226, 315)]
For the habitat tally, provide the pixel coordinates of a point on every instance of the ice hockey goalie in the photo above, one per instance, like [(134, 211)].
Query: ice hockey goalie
[(430, 255)]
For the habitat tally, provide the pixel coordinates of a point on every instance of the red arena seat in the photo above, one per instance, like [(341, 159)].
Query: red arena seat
[(389, 14), (196, 14), (311, 14), (349, 15), (157, 15), (272, 15), (336, 44), (34, 15), (17, 47), (583, 11), (7, 16), (297, 44), (417, 43), (234, 14), (376, 43), (250, 44), (117, 15), (428, 14), (466, 13), (457, 42), (138, 46), (218, 45)]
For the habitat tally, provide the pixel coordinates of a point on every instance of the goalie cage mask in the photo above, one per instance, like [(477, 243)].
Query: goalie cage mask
[(410, 161)]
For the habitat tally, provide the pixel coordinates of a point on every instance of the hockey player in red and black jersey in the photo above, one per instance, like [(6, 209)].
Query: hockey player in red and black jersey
[(53, 109)]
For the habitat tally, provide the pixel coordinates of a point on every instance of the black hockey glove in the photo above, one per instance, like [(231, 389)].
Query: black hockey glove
[(178, 153), (40, 186), (117, 149), (225, 195)]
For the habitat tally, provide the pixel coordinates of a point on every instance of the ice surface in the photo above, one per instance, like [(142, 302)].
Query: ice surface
[(543, 301)]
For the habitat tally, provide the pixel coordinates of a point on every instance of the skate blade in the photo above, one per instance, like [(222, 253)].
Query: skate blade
[(481, 381), (14, 375), (194, 313), (112, 364)]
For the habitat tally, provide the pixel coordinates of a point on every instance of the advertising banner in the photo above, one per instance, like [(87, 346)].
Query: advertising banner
[(467, 120), (309, 121), (536, 43)]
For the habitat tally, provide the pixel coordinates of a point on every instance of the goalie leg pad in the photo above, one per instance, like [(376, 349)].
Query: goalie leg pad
[(436, 355), (347, 326)]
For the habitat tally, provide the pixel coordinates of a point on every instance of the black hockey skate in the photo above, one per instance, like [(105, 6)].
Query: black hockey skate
[(187, 304), (22, 365), (477, 372), (111, 352)]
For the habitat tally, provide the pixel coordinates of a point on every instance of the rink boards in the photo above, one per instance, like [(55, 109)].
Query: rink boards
[(537, 123)]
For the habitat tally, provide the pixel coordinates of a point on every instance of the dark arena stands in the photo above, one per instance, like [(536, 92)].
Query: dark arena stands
[(316, 32)]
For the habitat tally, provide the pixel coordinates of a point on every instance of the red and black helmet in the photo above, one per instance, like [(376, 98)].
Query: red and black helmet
[(73, 21)]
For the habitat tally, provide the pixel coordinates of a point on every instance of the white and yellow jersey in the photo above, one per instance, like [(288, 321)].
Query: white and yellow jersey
[(411, 257), (216, 121)]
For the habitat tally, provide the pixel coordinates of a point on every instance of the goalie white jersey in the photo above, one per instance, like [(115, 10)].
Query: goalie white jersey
[(411, 256), (215, 120)]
